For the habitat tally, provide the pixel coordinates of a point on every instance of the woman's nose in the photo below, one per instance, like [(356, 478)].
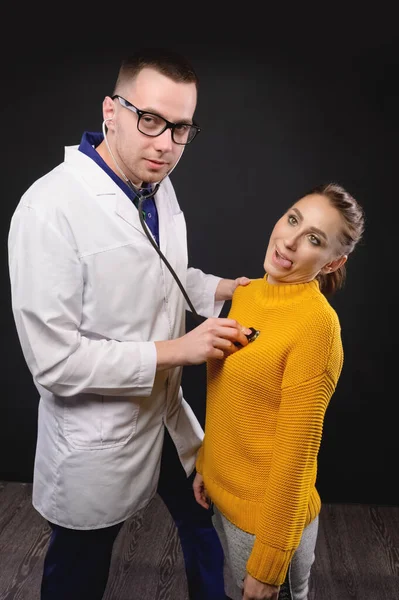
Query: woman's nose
[(291, 242)]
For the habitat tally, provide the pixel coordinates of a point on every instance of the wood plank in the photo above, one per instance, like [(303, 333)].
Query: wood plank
[(357, 552), (147, 560), (24, 535)]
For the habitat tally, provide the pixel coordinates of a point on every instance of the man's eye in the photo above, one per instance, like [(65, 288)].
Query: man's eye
[(182, 127), (148, 119)]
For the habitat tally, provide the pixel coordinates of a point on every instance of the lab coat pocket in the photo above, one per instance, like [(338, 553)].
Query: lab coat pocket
[(95, 422)]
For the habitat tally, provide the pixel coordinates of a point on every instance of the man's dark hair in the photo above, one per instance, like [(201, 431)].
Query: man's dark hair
[(168, 62)]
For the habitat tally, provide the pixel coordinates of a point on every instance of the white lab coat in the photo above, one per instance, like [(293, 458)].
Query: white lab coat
[(90, 296)]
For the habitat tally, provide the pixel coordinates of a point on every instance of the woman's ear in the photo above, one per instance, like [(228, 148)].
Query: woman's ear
[(334, 264)]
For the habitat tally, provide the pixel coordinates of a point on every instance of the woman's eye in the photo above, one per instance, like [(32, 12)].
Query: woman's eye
[(314, 240), (292, 220)]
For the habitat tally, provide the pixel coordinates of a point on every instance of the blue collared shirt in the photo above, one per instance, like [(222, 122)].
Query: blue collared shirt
[(88, 144)]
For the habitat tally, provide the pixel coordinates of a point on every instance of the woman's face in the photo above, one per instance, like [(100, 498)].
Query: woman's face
[(305, 242)]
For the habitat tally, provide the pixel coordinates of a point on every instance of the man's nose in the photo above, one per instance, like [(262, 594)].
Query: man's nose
[(164, 141)]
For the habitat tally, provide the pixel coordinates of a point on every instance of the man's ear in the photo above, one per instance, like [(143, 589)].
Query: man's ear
[(108, 109), (334, 264)]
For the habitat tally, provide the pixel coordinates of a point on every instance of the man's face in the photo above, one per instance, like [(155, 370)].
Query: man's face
[(144, 158)]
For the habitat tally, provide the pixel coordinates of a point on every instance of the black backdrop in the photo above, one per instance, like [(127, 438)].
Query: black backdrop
[(276, 120)]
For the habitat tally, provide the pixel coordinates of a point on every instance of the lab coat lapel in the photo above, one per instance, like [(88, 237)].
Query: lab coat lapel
[(164, 218), (127, 211), (102, 185)]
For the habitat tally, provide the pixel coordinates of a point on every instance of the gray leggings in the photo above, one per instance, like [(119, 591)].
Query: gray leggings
[(237, 545)]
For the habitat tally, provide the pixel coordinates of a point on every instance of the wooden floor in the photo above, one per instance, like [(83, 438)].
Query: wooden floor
[(357, 553)]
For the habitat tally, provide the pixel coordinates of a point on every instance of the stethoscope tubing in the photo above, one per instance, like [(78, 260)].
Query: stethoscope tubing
[(141, 198)]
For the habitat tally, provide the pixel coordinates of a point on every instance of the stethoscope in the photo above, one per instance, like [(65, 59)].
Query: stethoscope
[(146, 195)]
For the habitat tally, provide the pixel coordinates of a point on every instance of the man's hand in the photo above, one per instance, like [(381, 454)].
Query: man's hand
[(200, 493), (257, 590), (214, 338), (226, 287)]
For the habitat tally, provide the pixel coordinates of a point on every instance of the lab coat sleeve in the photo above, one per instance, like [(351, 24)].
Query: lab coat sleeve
[(46, 293), (201, 289)]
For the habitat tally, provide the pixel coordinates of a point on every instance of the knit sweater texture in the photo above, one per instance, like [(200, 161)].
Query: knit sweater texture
[(265, 409)]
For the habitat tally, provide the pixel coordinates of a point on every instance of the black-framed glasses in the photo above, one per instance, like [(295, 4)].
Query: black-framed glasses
[(153, 125)]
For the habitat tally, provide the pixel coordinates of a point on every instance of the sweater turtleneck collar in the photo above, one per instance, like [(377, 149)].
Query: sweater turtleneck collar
[(271, 293)]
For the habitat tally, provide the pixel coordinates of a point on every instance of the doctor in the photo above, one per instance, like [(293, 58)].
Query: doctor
[(101, 320)]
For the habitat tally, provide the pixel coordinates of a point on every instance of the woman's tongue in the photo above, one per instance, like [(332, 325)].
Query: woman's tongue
[(283, 261)]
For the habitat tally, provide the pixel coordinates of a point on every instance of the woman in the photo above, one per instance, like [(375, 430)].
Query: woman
[(266, 403)]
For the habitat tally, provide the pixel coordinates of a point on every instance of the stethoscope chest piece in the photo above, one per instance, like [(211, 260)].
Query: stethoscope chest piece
[(250, 336), (253, 335)]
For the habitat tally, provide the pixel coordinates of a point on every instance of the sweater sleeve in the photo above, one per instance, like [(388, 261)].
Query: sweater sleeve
[(297, 441)]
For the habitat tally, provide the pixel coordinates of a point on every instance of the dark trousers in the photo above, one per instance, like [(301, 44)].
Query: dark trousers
[(77, 562), (202, 550)]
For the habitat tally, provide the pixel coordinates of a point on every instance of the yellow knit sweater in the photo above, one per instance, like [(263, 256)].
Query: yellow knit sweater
[(264, 418)]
